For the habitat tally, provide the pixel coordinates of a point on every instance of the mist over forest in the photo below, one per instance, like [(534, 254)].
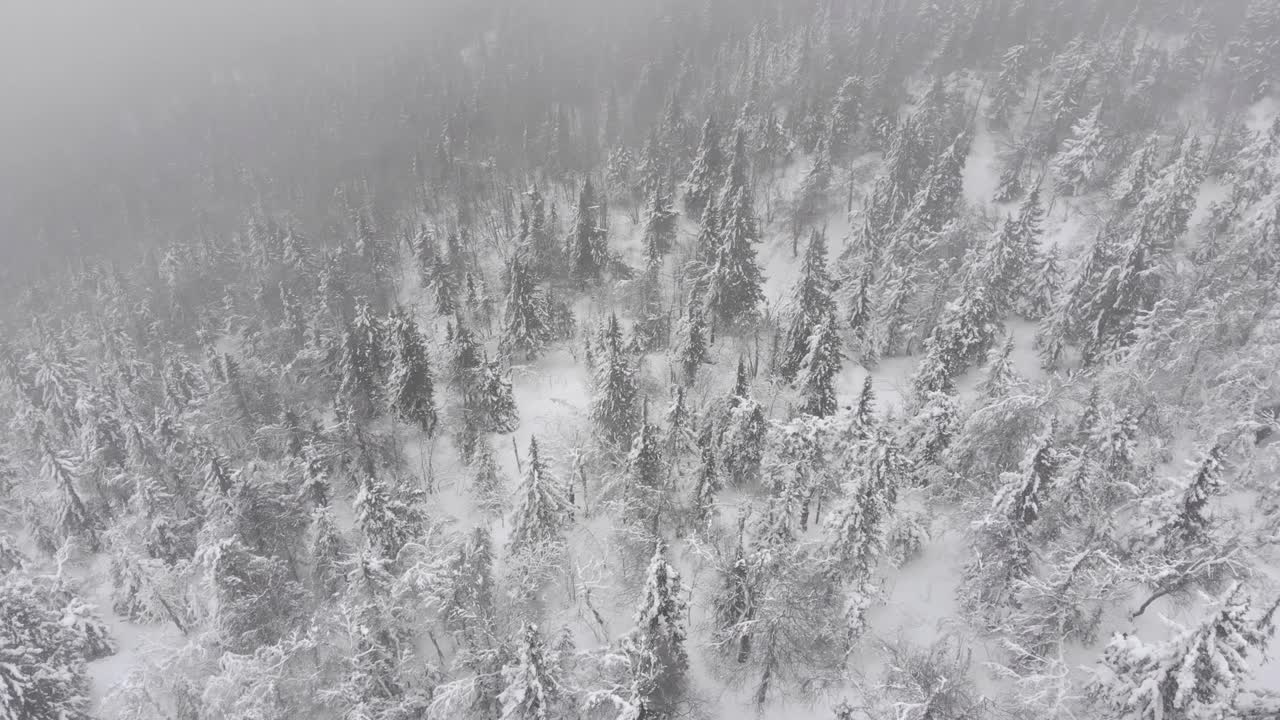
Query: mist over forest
[(640, 360)]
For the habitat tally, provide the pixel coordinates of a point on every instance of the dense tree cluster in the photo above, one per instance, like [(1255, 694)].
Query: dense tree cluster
[(650, 362)]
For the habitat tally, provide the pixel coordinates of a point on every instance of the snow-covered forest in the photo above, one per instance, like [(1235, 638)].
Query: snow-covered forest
[(661, 360)]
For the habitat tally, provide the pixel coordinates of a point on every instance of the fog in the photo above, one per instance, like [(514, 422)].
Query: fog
[(87, 83)]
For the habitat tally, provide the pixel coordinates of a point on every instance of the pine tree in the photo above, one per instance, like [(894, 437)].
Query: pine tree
[(534, 690), (1200, 673), (525, 326), (544, 512), (587, 246), (1077, 164), (657, 644), (410, 388), (707, 173), (659, 226), (821, 366), (811, 305), (615, 391), (733, 282)]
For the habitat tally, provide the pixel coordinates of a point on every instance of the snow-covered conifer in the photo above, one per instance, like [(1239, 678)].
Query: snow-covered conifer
[(810, 305), (707, 173), (543, 512)]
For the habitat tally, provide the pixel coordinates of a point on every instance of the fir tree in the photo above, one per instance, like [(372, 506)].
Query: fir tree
[(657, 644), (813, 189), (937, 202), (1077, 164), (1000, 376), (659, 226), (363, 362), (1010, 84), (615, 391), (533, 688), (846, 116), (1044, 286), (587, 245), (693, 352), (487, 485), (42, 666), (1020, 498), (645, 474), (811, 305), (329, 554), (854, 535), (1199, 673), (737, 179), (388, 522), (525, 325), (410, 388), (707, 484), (707, 173), (1137, 175), (543, 512), (733, 281), (821, 366)]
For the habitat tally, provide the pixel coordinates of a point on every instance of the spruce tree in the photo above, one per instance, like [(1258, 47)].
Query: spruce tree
[(615, 391), (587, 245), (733, 282), (1199, 673), (487, 484), (525, 326), (846, 116), (812, 194), (937, 203), (707, 485), (1009, 87), (1044, 286), (707, 173), (820, 367), (645, 474), (811, 305), (543, 513), (660, 662), (1077, 165), (693, 352), (1138, 175), (410, 387), (659, 226), (533, 687)]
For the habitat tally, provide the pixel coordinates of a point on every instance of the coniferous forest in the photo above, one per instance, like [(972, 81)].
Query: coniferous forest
[(659, 360)]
